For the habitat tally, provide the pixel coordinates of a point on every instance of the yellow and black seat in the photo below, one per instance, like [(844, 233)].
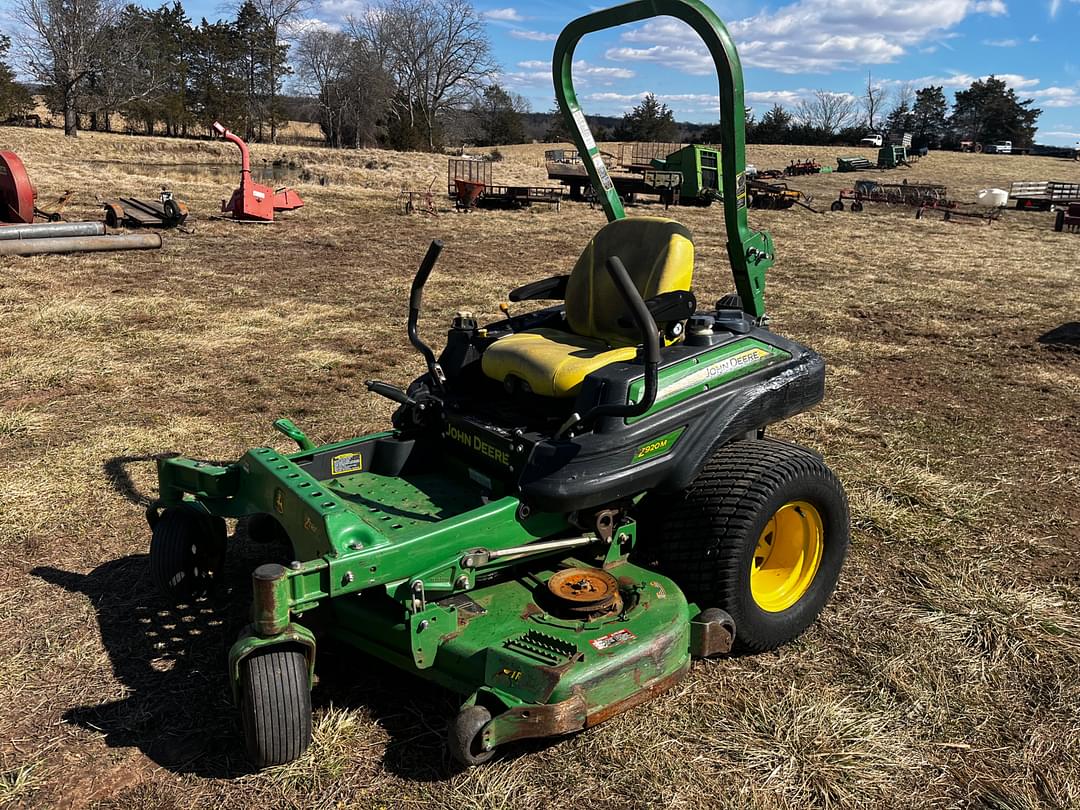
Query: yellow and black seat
[(658, 254)]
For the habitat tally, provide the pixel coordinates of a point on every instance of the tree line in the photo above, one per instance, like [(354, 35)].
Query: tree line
[(987, 111), (403, 74)]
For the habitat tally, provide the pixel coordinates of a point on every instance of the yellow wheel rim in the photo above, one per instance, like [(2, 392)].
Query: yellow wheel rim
[(787, 556)]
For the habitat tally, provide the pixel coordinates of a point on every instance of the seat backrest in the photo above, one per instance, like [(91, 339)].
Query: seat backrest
[(659, 256)]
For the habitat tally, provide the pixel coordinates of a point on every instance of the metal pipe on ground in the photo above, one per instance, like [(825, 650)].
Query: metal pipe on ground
[(44, 230), (80, 244)]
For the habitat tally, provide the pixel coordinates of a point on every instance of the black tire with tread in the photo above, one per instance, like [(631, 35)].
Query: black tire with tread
[(187, 552), (275, 705), (463, 738), (705, 536)]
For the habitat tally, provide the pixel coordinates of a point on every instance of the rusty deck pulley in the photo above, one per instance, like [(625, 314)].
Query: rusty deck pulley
[(585, 592)]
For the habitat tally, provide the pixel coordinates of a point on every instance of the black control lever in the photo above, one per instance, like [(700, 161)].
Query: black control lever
[(389, 391), (650, 340), (415, 297)]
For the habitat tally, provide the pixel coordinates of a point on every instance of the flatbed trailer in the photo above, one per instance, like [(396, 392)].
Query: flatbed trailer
[(663, 184), (1042, 195), (477, 176)]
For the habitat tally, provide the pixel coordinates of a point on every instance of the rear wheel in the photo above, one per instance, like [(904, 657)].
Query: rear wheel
[(762, 533), (856, 207), (1059, 222), (187, 552), (275, 705)]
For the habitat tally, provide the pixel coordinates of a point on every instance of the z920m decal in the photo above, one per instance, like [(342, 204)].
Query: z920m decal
[(658, 446)]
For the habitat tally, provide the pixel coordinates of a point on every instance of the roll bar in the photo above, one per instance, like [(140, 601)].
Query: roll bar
[(749, 252)]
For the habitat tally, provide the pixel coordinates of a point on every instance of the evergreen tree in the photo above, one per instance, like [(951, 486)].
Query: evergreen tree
[(929, 117), (557, 129), (15, 100), (498, 112), (650, 120), (774, 126), (989, 111)]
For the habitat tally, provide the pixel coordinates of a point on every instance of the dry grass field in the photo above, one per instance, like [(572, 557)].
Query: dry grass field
[(944, 674)]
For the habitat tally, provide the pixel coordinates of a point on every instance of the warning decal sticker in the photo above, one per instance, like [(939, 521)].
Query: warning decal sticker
[(613, 639)]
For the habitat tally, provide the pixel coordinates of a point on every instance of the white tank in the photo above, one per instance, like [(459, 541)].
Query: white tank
[(992, 198)]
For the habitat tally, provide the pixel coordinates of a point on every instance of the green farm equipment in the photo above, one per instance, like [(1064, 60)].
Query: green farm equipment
[(571, 503), (700, 170), (892, 156)]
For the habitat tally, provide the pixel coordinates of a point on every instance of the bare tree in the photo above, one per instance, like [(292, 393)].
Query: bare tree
[(281, 16), (827, 111), (874, 100), (349, 82), (905, 97), (66, 42), (437, 52)]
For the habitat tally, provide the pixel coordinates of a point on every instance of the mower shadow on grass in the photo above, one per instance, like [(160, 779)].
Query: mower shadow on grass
[(168, 659), (1066, 336)]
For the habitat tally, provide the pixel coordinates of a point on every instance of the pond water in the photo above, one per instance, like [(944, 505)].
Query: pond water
[(266, 172)]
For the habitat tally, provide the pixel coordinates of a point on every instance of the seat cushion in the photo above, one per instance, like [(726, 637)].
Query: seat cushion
[(659, 256), (553, 363)]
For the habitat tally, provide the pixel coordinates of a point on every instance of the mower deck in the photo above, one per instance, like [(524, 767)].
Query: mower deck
[(508, 646)]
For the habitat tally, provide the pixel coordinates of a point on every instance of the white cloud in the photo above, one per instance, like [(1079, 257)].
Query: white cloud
[(503, 14), (1034, 38), (535, 36), (810, 35), (583, 69), (961, 81), (1001, 43), (1055, 6), (1057, 96), (537, 71)]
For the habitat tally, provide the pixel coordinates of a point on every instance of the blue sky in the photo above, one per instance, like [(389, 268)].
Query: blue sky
[(788, 48)]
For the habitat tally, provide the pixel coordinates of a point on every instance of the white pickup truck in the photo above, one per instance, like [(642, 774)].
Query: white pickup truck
[(873, 140), (1000, 148)]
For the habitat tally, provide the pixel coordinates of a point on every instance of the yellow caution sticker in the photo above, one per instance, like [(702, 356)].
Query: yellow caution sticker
[(346, 463)]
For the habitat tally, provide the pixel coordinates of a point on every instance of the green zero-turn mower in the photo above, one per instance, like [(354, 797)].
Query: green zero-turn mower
[(572, 503)]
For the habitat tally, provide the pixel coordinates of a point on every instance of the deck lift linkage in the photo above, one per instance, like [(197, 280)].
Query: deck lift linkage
[(572, 502)]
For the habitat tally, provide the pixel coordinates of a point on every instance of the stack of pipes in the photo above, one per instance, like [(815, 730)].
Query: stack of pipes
[(70, 237)]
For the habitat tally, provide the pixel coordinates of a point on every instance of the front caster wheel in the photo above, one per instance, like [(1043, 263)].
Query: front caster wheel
[(187, 552), (465, 738), (275, 705), (838, 205), (761, 533)]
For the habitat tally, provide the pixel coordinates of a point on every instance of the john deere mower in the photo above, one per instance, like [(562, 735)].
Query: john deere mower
[(571, 503)]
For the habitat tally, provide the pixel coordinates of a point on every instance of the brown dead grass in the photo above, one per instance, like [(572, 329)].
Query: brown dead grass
[(942, 675)]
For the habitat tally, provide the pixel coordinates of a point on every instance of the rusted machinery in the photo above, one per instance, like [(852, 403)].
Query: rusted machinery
[(914, 194), (253, 202), (798, 168), (970, 216), (165, 212), (79, 244), (1068, 219), (777, 196), (17, 193)]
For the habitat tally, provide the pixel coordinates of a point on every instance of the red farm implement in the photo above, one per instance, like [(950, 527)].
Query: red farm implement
[(801, 167), (912, 194), (254, 202), (17, 193)]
